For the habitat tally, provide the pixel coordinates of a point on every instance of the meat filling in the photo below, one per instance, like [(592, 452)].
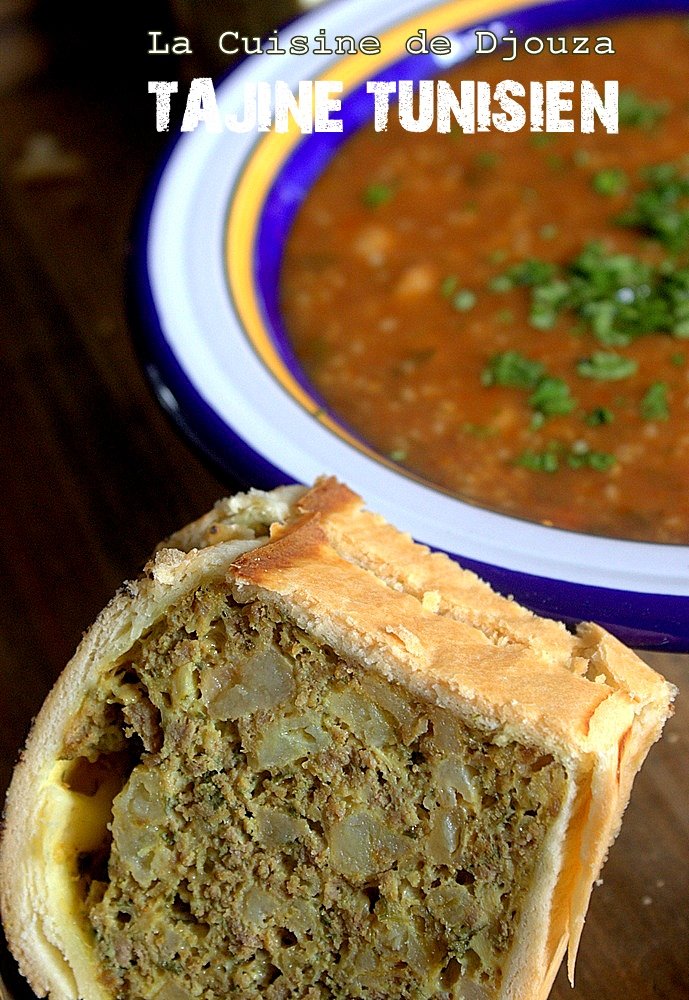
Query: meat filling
[(291, 827)]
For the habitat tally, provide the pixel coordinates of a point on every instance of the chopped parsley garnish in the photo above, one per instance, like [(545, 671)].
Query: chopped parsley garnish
[(639, 112), (540, 461), (551, 397), (578, 456), (547, 300), (606, 366), (531, 272), (548, 295), (616, 295), (654, 404), (661, 209), (376, 195), (512, 369), (610, 182), (600, 416), (585, 458)]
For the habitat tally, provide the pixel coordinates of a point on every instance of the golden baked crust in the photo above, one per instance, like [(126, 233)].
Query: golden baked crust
[(386, 606)]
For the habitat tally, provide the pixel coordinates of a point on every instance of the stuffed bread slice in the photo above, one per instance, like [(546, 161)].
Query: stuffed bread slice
[(304, 757)]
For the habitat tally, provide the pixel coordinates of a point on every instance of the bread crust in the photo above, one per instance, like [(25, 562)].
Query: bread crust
[(415, 617)]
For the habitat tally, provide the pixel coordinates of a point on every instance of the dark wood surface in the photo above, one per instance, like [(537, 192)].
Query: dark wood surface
[(93, 474)]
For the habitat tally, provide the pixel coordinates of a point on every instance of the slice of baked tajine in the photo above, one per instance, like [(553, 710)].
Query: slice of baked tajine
[(303, 757)]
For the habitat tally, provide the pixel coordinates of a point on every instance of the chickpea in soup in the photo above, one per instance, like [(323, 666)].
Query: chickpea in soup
[(506, 315)]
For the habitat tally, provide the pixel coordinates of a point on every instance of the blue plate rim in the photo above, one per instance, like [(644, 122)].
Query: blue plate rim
[(645, 620)]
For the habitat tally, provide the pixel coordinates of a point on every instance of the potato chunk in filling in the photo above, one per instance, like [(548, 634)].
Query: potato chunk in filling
[(292, 827)]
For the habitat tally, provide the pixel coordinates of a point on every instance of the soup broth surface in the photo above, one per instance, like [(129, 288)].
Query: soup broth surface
[(506, 315)]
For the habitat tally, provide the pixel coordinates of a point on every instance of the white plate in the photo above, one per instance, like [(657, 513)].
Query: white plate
[(205, 272)]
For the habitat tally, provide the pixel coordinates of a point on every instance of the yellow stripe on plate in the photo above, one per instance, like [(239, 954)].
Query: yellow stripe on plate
[(271, 153)]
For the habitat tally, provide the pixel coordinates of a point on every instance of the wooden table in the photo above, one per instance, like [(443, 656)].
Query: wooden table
[(93, 475)]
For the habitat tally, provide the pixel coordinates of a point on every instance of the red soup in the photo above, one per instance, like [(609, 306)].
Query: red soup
[(506, 315)]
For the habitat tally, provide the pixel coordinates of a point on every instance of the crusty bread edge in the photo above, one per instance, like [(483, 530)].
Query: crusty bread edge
[(37, 937), (37, 941)]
